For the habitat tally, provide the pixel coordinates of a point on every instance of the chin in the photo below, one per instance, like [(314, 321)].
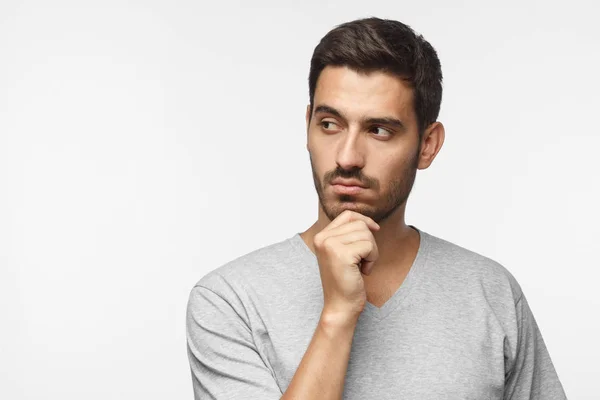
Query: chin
[(335, 209)]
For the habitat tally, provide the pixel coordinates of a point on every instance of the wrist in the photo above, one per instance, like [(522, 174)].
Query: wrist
[(336, 321)]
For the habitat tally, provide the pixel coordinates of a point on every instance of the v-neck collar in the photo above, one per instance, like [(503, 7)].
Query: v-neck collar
[(412, 278)]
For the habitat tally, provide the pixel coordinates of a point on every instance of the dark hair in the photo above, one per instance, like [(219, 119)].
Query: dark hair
[(374, 44)]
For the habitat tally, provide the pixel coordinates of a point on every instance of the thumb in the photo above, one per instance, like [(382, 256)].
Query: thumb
[(366, 267)]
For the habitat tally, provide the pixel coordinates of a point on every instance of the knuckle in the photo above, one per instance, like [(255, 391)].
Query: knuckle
[(318, 240), (326, 243)]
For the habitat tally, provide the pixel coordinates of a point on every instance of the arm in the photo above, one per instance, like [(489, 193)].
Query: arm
[(225, 363), (345, 250), (224, 360), (223, 357), (322, 371), (532, 375)]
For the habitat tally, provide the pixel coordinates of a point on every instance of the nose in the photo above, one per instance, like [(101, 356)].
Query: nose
[(350, 153)]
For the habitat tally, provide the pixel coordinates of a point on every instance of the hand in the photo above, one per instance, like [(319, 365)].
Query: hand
[(345, 250)]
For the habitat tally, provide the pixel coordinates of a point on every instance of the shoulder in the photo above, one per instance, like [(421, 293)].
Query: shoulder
[(257, 282), (254, 269), (465, 269)]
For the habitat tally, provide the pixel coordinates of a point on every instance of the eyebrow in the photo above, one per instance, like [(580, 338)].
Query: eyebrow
[(395, 122)]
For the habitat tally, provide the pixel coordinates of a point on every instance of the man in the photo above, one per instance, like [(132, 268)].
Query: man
[(362, 305)]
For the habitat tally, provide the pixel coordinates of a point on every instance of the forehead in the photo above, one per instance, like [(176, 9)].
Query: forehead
[(359, 94)]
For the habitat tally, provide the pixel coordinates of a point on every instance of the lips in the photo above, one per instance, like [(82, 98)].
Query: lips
[(347, 186), (348, 182)]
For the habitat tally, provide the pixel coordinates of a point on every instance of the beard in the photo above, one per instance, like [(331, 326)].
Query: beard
[(396, 194)]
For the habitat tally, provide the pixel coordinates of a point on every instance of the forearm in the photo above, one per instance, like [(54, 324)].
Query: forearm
[(322, 370)]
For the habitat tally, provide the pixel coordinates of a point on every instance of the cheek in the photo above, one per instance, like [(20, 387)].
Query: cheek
[(320, 160), (392, 172), (316, 165)]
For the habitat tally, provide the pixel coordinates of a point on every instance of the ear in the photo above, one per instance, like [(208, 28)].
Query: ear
[(432, 142), (307, 117)]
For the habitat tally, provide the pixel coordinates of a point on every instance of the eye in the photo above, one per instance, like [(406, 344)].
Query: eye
[(328, 125), (381, 131)]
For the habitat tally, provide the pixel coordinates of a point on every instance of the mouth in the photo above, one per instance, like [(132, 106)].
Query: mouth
[(347, 189), (348, 183)]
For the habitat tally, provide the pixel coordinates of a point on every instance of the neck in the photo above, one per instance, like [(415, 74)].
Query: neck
[(396, 241)]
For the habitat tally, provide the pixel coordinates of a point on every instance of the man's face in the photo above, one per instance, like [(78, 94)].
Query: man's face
[(363, 128)]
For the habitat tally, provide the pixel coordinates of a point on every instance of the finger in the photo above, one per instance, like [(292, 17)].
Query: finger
[(349, 216), (354, 226), (363, 251), (358, 225), (353, 236), (366, 267)]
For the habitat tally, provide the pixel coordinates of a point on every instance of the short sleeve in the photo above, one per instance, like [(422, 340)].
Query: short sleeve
[(532, 375), (224, 361)]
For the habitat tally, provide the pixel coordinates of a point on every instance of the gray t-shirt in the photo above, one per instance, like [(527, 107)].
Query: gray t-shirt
[(459, 327)]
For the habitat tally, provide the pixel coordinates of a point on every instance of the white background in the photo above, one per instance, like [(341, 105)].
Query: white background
[(145, 143)]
